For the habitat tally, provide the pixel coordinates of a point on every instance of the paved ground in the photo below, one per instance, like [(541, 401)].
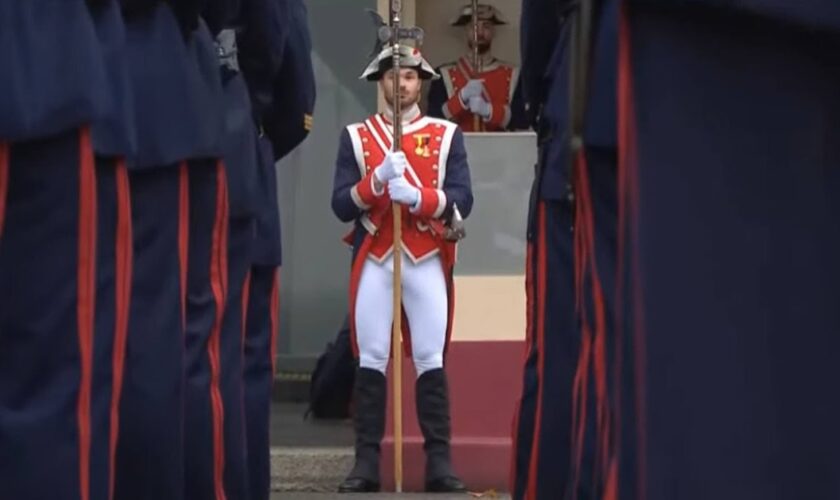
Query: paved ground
[(379, 496), (290, 429), (314, 455)]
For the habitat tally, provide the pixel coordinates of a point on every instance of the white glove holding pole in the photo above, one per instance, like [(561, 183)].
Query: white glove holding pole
[(401, 191), (392, 167), (473, 88), (480, 107)]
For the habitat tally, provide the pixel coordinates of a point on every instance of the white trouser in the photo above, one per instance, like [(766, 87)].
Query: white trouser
[(425, 302)]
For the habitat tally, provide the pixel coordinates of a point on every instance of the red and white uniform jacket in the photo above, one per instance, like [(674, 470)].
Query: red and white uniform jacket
[(437, 166), (502, 92)]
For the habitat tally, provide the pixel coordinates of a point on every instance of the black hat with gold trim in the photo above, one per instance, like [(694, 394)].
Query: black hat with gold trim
[(410, 57)]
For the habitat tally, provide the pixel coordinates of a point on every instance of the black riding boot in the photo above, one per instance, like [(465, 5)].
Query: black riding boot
[(433, 415), (370, 394)]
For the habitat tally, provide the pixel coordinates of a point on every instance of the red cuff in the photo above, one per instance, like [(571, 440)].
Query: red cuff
[(432, 203), (498, 115), (363, 193), (454, 108)]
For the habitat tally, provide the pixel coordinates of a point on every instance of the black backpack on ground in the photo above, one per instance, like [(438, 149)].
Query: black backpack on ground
[(331, 386)]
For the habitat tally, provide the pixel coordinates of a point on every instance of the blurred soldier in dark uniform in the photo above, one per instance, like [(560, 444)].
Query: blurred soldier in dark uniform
[(489, 92), (114, 141), (221, 217), (56, 343), (175, 82), (251, 39), (283, 104), (725, 242), (564, 417), (730, 165), (544, 421), (429, 179)]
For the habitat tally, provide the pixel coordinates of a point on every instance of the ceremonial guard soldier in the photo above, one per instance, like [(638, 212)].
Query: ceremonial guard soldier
[(114, 143), (176, 90), (56, 340), (542, 434), (222, 198), (729, 168), (478, 91), (282, 103), (565, 416), (430, 181)]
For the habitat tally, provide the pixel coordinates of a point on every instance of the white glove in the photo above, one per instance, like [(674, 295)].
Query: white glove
[(480, 107), (473, 88), (402, 192), (392, 167)]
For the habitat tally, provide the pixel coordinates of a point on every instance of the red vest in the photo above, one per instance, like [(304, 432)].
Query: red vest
[(499, 82), (426, 142)]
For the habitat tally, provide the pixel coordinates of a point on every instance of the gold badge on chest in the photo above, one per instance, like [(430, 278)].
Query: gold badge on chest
[(421, 145)]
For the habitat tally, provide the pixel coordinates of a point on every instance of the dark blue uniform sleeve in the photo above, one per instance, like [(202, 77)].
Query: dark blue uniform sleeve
[(52, 78), (187, 12), (262, 45), (539, 26), (518, 117), (601, 115), (176, 89), (457, 185), (437, 98), (347, 175), (290, 118), (113, 134), (219, 14), (823, 14)]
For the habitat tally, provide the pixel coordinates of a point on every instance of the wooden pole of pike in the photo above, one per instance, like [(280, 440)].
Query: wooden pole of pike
[(478, 126), (396, 333)]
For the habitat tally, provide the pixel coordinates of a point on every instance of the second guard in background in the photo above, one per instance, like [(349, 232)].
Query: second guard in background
[(430, 178), (490, 91)]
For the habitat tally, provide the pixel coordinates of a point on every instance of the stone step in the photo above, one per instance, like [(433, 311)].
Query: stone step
[(314, 473), (386, 496), (309, 469)]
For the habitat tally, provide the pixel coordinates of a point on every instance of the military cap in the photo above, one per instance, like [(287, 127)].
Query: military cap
[(486, 12), (410, 57)]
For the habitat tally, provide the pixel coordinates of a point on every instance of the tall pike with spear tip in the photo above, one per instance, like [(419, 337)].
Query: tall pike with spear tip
[(393, 34), (478, 126)]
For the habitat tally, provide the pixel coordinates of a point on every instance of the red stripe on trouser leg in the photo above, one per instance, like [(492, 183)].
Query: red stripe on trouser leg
[(4, 181), (531, 491), (246, 294), (599, 355), (86, 270), (218, 284), (529, 336), (628, 193), (274, 317), (124, 257), (580, 396), (183, 234)]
